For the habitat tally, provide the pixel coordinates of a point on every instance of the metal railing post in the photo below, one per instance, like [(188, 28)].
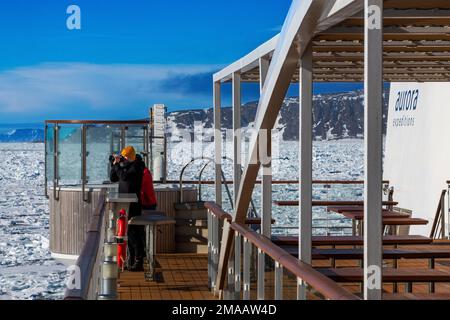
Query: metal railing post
[(55, 161), (215, 251), (83, 161), (209, 247), (122, 137), (237, 265), (146, 145), (230, 289), (278, 281), (109, 281), (261, 274), (165, 161), (109, 268), (111, 231), (448, 210), (246, 269), (45, 162), (443, 215)]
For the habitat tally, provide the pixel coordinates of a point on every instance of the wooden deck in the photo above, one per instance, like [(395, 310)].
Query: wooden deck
[(178, 277), (185, 277)]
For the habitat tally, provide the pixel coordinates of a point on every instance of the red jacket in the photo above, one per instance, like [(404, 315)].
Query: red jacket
[(148, 196)]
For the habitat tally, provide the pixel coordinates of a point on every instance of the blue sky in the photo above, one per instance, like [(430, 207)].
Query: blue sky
[(127, 56)]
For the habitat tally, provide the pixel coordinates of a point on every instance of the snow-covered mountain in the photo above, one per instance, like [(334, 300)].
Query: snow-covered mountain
[(336, 116)]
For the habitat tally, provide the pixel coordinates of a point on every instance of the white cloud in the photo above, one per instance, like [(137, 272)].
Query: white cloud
[(52, 86)]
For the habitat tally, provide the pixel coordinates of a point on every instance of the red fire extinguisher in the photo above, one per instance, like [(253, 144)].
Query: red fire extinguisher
[(121, 243)]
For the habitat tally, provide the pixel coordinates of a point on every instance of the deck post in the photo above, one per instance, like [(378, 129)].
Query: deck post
[(237, 139), (266, 153), (215, 251), (373, 102), (237, 265), (305, 165), (278, 281), (237, 159), (265, 145), (261, 274), (246, 269), (217, 143), (210, 249)]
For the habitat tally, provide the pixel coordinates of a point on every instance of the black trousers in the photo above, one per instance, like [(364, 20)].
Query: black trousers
[(136, 242), (136, 239)]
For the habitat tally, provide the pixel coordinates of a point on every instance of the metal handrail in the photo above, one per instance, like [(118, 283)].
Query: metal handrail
[(327, 203), (199, 182), (227, 189), (88, 260), (180, 180), (324, 182), (112, 122), (322, 284), (439, 218)]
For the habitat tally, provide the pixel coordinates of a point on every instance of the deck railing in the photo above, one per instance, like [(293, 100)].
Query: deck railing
[(328, 224), (278, 278), (89, 261), (438, 228), (77, 151)]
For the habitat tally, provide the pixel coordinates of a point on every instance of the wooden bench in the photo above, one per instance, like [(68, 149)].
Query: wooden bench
[(359, 215), (358, 254), (394, 220), (405, 275), (340, 209), (352, 240), (416, 296), (388, 221), (256, 221)]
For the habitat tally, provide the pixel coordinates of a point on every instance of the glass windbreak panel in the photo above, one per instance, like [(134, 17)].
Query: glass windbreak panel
[(135, 138), (116, 139), (49, 153), (69, 159), (99, 148)]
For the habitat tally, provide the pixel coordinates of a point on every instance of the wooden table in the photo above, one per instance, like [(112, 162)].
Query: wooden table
[(390, 218), (405, 275), (340, 209), (359, 215), (327, 203), (151, 221), (352, 240)]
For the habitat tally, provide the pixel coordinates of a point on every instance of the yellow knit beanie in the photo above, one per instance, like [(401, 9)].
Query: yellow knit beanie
[(129, 153)]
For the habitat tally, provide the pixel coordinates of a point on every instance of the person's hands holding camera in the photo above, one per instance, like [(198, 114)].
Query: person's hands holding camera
[(116, 159)]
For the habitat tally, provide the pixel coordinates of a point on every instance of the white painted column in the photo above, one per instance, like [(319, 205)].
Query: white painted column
[(305, 162), (265, 145), (373, 103), (237, 138), (217, 143)]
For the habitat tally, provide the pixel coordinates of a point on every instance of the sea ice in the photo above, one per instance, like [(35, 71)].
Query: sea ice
[(27, 270)]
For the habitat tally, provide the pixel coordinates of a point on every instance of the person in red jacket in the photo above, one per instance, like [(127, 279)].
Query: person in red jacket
[(148, 195)]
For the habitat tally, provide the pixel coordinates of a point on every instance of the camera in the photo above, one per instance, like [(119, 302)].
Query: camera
[(112, 158)]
